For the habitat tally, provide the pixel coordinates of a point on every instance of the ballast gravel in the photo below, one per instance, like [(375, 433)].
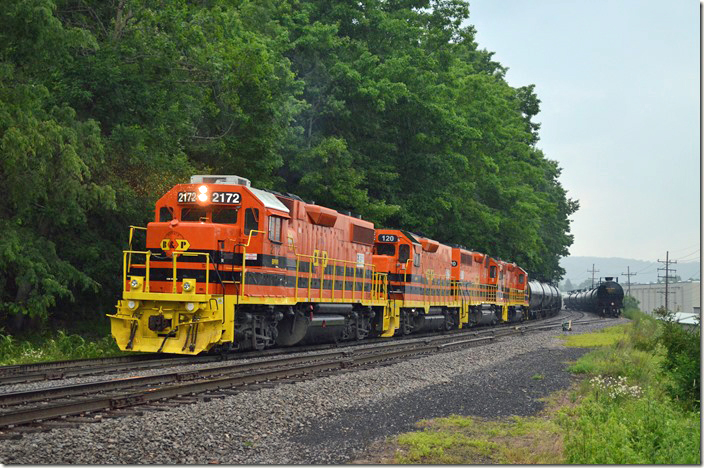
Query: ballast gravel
[(325, 420)]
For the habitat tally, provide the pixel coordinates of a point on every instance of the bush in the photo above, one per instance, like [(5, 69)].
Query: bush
[(682, 362), (622, 428), (630, 306), (644, 331)]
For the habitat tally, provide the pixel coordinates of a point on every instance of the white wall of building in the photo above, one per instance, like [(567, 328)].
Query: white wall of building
[(683, 297)]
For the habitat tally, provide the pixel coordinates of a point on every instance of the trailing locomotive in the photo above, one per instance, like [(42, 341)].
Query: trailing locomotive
[(606, 299), (229, 266)]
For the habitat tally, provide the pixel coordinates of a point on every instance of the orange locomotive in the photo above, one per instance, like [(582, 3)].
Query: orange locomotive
[(227, 265), (422, 292)]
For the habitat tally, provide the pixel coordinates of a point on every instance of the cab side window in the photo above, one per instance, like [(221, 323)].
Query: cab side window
[(492, 271), (404, 253), (251, 220), (275, 228)]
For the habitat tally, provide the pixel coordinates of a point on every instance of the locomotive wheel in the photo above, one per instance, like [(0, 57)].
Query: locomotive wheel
[(363, 328), (406, 325), (451, 320)]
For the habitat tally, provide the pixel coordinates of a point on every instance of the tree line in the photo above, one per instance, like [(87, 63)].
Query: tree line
[(385, 108)]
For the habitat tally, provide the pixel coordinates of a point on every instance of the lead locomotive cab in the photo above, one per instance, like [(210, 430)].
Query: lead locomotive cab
[(179, 292)]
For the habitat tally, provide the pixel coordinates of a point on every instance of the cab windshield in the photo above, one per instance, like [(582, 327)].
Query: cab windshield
[(385, 249)]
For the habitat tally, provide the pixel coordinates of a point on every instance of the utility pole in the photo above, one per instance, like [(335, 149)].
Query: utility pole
[(592, 271), (667, 276), (629, 274)]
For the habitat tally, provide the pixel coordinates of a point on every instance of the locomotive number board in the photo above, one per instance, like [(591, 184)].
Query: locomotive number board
[(187, 197), (387, 238), (225, 198), (229, 198)]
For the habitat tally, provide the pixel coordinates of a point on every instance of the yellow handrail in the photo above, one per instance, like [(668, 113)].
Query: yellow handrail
[(132, 228), (192, 254), (147, 264), (244, 260), (378, 288), (333, 274)]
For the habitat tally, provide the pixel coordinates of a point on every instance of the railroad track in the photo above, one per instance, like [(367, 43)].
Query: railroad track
[(69, 405), (58, 370)]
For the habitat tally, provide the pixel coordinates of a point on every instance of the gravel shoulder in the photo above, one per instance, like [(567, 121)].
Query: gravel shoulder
[(328, 420)]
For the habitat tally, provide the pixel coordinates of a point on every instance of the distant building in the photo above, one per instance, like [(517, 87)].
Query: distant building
[(684, 296)]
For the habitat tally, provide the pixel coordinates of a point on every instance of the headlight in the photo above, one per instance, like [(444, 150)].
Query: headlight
[(190, 306), (203, 189), (134, 283), (203, 197), (132, 305)]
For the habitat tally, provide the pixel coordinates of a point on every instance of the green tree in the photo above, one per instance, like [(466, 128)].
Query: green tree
[(429, 125), (51, 163)]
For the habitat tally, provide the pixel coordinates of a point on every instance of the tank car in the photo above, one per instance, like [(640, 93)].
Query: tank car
[(545, 299), (606, 299)]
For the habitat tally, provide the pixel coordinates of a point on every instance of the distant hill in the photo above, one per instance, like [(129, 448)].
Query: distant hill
[(576, 269)]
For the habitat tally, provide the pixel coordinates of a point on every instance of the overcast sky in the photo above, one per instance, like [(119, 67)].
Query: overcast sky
[(619, 84)]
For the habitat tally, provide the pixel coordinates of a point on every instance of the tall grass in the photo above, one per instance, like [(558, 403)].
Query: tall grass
[(59, 347), (628, 414)]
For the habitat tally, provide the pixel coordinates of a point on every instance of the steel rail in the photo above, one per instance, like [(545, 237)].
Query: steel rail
[(55, 370), (183, 383)]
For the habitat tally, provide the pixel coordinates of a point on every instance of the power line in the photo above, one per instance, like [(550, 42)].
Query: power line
[(689, 255), (686, 248), (651, 264)]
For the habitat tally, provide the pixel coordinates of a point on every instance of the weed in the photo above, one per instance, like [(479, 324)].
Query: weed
[(59, 347), (465, 440), (605, 337)]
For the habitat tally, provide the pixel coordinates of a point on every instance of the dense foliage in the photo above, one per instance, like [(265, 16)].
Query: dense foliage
[(385, 108), (682, 360)]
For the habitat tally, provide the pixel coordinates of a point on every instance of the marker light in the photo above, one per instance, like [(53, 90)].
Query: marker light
[(202, 197), (190, 306), (186, 287), (203, 189), (131, 304), (134, 283)]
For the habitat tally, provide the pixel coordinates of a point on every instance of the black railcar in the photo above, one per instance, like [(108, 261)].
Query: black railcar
[(606, 299), (545, 299)]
